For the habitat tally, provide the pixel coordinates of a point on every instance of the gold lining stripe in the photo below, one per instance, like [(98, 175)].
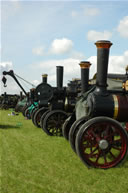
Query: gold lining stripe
[(116, 106)]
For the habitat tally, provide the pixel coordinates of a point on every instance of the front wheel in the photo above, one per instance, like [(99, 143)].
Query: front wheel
[(102, 143)]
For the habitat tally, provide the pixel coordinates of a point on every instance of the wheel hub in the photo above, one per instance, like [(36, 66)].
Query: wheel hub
[(103, 144)]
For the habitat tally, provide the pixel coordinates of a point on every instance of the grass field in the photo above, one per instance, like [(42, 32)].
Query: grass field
[(32, 162)]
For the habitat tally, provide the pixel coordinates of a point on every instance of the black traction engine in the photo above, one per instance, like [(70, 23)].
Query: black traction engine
[(99, 134), (55, 104)]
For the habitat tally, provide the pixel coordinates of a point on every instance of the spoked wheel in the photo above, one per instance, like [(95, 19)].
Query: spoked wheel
[(33, 114), (74, 129), (53, 122), (27, 113), (38, 115), (33, 111), (24, 109), (42, 118), (67, 125), (102, 143)]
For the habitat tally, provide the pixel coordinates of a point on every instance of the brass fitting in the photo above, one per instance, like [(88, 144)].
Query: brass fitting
[(85, 64), (44, 75), (103, 44)]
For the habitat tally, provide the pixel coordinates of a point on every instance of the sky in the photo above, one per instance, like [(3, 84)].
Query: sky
[(37, 36)]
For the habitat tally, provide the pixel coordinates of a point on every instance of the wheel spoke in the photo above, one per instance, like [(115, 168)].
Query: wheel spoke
[(92, 152), (117, 148), (110, 135), (87, 145), (112, 155), (105, 159), (94, 135), (51, 122), (98, 157), (117, 142)]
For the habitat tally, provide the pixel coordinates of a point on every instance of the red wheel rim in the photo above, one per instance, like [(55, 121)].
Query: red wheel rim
[(103, 145)]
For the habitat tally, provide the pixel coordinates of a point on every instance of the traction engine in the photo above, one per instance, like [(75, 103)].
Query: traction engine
[(29, 98), (55, 104), (99, 135)]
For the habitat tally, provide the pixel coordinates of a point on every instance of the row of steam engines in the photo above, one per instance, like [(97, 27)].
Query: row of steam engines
[(99, 134), (91, 114), (49, 106)]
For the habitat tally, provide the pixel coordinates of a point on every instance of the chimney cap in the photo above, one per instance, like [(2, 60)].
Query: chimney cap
[(103, 44), (44, 75), (59, 66), (85, 64)]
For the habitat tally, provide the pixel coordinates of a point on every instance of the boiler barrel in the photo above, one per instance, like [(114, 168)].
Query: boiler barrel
[(114, 106)]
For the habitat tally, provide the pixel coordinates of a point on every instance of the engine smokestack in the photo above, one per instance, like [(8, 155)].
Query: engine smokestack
[(85, 65), (5, 94), (59, 75), (44, 78), (32, 93), (102, 64), (21, 95)]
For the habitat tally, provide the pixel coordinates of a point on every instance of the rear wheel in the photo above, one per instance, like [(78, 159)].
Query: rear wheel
[(74, 129), (27, 113), (24, 109), (38, 114), (33, 114), (33, 111), (67, 125), (53, 122), (102, 143), (42, 118)]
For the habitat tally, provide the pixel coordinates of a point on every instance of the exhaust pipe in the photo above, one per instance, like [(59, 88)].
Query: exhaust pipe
[(32, 93), (21, 95), (59, 74), (5, 94), (44, 78), (102, 65), (85, 65)]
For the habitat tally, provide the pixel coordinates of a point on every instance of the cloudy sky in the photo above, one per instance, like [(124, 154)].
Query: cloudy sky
[(37, 36)]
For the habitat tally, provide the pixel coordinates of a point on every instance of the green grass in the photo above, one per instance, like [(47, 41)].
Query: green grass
[(32, 162)]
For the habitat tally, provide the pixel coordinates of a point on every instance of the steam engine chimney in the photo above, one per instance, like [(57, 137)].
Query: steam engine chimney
[(5, 94), (21, 95), (59, 75), (102, 64), (44, 78), (85, 65), (32, 93)]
